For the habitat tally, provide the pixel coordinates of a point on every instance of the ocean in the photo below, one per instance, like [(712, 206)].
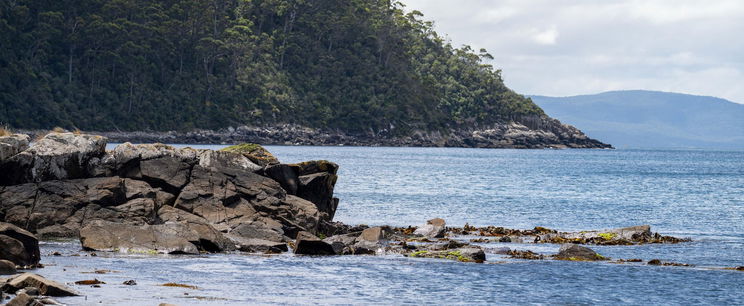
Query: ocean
[(695, 194)]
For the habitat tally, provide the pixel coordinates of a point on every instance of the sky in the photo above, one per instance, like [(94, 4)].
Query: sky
[(573, 47)]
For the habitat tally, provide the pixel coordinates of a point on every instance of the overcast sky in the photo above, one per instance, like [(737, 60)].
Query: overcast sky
[(571, 47)]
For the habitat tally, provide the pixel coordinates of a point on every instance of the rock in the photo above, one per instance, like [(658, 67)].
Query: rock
[(259, 245), (147, 239), (264, 229), (620, 236), (316, 166), (286, 175), (256, 153), (7, 267), (372, 239), (468, 254), (57, 156), (46, 287), (226, 160), (23, 299), (12, 145), (577, 252), (318, 188), (309, 244), (209, 238), (433, 228), (130, 282), (18, 245), (342, 244)]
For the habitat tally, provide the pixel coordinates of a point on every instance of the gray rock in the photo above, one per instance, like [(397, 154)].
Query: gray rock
[(264, 229), (57, 156), (46, 287), (226, 160), (209, 238), (433, 228), (12, 145), (258, 245), (577, 252), (146, 239), (18, 245)]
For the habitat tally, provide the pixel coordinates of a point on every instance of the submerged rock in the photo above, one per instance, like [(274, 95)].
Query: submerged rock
[(468, 254)]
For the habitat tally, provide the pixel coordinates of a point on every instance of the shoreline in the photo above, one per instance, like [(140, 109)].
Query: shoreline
[(552, 135)]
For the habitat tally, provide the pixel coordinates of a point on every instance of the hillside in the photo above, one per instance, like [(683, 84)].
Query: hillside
[(353, 66), (649, 119)]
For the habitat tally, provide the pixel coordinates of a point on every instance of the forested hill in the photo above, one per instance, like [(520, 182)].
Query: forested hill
[(351, 65)]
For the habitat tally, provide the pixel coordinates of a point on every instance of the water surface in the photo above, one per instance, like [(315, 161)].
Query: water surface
[(697, 194)]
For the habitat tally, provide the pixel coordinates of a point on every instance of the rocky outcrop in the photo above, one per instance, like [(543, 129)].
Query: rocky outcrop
[(70, 183), (640, 234), (18, 246)]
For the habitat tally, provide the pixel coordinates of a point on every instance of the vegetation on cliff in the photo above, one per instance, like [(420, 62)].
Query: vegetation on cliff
[(357, 66)]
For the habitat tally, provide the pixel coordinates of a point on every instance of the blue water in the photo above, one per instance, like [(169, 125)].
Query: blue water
[(697, 194)]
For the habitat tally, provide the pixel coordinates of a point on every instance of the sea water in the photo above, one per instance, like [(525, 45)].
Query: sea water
[(696, 194)]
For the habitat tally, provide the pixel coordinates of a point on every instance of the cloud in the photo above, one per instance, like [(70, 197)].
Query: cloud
[(579, 46), (546, 37)]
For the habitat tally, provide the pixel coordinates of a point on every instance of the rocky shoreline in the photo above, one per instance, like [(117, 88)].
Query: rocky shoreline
[(544, 134), (157, 199)]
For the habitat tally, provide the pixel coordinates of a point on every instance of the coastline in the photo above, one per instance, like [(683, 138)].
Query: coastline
[(550, 135)]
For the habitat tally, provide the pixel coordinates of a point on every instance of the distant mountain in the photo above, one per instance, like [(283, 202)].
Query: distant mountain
[(651, 119)]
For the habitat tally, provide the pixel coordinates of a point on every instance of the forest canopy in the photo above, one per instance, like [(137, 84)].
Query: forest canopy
[(351, 65)]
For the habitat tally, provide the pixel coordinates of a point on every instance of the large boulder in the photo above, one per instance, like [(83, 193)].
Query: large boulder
[(12, 145), (309, 244), (45, 286), (18, 245), (145, 239), (372, 240), (57, 156), (576, 252), (433, 228)]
